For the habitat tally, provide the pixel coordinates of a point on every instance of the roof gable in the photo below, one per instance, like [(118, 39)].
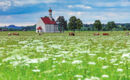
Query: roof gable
[(47, 20)]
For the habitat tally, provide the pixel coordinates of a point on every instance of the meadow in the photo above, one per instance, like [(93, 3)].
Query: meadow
[(57, 56)]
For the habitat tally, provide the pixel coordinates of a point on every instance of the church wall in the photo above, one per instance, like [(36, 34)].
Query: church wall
[(40, 23), (50, 28)]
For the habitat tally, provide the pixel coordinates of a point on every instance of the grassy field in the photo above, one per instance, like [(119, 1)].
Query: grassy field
[(57, 56)]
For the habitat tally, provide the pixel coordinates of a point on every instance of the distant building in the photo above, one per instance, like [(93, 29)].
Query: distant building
[(47, 24)]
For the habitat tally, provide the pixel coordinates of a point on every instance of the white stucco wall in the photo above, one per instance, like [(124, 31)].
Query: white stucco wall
[(50, 28), (40, 23)]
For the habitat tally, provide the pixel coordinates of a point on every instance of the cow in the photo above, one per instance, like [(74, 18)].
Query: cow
[(127, 33), (71, 34), (9, 34), (96, 34), (105, 34), (16, 34)]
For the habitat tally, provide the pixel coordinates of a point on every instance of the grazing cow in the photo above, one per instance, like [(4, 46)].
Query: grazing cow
[(127, 33), (9, 34), (71, 34), (105, 34), (96, 34), (16, 34)]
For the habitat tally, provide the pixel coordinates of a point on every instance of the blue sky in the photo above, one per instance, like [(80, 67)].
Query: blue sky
[(28, 12)]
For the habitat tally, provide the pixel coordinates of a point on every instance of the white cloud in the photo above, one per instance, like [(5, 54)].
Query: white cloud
[(90, 17), (86, 17), (5, 4), (26, 2), (113, 4), (79, 6)]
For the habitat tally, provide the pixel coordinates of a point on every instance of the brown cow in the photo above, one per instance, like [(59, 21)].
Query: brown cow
[(96, 34), (105, 34), (71, 34), (16, 34)]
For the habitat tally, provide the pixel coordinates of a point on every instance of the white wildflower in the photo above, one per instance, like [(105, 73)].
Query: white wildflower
[(84, 52), (104, 67), (53, 58), (113, 60), (56, 46), (79, 76), (32, 61), (116, 64), (91, 63), (59, 74), (36, 41), (92, 78), (105, 76), (23, 42), (40, 49), (77, 62), (36, 70), (53, 66), (92, 54), (127, 55), (60, 55), (119, 70), (101, 58), (63, 61)]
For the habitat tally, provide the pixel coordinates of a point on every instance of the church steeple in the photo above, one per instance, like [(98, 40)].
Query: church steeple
[(50, 13)]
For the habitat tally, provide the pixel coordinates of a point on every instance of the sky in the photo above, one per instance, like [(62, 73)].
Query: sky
[(28, 12)]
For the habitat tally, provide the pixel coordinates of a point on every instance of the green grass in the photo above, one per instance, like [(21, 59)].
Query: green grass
[(57, 56)]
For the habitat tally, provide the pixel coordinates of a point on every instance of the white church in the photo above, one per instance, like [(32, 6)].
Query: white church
[(47, 24)]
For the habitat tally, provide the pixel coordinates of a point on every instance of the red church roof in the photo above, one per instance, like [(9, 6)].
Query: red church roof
[(47, 20)]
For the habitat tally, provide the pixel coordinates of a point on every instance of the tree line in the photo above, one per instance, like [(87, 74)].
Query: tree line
[(77, 24), (73, 25)]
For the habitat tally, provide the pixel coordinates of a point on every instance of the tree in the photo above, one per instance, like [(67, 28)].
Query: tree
[(79, 24), (72, 23), (128, 26), (62, 22), (111, 25), (98, 25)]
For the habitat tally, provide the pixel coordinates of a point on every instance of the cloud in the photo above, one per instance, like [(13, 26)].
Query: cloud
[(26, 2), (19, 12), (79, 6), (113, 4), (90, 17), (5, 4), (86, 17)]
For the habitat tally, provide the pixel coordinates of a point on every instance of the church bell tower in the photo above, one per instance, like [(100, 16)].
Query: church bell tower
[(50, 13)]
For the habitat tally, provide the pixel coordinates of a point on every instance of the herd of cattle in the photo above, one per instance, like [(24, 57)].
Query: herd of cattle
[(16, 34), (70, 34), (96, 34)]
